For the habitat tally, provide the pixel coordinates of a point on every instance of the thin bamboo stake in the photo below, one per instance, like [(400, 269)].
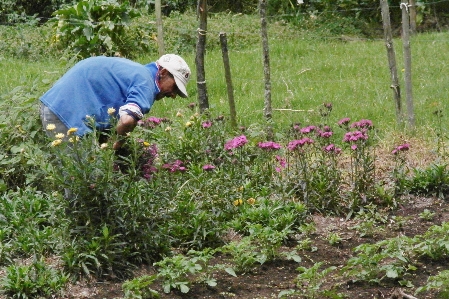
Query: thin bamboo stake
[(407, 63), (199, 60), (230, 89), (392, 60)]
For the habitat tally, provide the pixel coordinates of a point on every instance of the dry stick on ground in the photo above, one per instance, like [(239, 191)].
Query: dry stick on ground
[(399, 294)]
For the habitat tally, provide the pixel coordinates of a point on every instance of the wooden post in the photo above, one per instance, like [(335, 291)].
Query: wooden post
[(230, 89), (199, 60), (407, 63), (266, 58), (412, 7), (391, 60), (160, 31)]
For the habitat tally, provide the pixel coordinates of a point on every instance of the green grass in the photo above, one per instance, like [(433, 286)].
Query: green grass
[(306, 71)]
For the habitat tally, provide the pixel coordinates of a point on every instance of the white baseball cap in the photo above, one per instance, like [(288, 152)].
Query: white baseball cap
[(179, 69)]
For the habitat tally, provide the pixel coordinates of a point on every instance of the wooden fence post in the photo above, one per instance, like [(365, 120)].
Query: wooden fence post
[(230, 89), (199, 60), (160, 31), (391, 60), (407, 62), (266, 58)]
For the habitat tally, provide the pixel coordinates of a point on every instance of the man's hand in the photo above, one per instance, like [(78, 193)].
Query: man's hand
[(126, 124)]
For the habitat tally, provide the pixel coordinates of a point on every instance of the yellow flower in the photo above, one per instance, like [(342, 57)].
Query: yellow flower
[(103, 145), (56, 142), (146, 144), (240, 188), (111, 111), (167, 129), (51, 127), (251, 201), (59, 135), (72, 140), (188, 124), (237, 202), (179, 114), (71, 130)]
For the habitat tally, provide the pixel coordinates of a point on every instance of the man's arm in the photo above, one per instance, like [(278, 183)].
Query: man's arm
[(125, 125)]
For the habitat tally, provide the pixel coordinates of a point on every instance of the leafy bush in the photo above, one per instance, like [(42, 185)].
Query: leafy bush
[(431, 181), (93, 27)]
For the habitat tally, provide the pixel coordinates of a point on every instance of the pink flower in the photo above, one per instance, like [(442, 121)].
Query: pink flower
[(178, 165), (355, 136), (344, 121), (364, 123), (269, 145), (354, 147), (282, 163), (236, 142), (332, 148), (295, 144), (308, 129), (208, 167), (206, 124), (401, 148)]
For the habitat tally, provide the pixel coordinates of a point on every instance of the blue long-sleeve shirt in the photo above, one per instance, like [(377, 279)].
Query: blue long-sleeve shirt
[(94, 85)]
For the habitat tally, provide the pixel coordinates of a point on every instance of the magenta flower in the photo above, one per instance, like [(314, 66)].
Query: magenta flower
[(331, 148), (282, 163), (206, 124), (269, 145), (236, 142), (208, 167), (355, 136), (354, 147), (296, 144), (401, 148), (344, 121), (364, 123), (324, 134), (177, 166), (148, 158), (308, 129)]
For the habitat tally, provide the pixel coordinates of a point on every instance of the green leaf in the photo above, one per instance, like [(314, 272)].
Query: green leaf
[(392, 273), (184, 288), (231, 271)]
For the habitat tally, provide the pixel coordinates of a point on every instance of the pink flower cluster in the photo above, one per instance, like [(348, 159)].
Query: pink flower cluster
[(308, 129), (331, 148), (282, 163), (177, 166), (149, 156), (401, 148), (269, 145), (363, 123), (236, 142), (152, 122), (295, 144), (355, 136), (344, 121)]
